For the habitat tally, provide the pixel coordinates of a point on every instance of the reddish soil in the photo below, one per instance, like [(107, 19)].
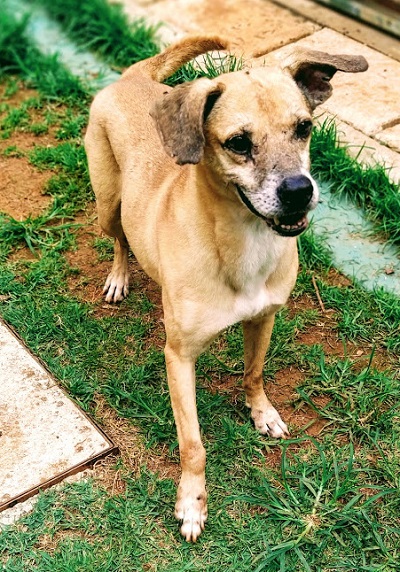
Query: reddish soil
[(21, 185), (21, 188)]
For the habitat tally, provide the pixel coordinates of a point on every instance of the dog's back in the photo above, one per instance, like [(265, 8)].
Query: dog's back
[(121, 135)]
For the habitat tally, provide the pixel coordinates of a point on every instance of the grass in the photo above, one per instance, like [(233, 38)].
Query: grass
[(104, 28), (19, 56), (333, 502)]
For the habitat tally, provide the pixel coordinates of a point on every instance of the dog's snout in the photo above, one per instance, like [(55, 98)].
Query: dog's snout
[(295, 193)]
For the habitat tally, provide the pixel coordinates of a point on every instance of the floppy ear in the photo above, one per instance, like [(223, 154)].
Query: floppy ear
[(312, 71), (180, 116)]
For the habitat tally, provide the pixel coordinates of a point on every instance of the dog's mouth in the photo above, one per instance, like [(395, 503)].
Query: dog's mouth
[(285, 225), (290, 225)]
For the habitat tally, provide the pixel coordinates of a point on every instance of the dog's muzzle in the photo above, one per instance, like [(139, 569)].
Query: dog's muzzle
[(294, 194)]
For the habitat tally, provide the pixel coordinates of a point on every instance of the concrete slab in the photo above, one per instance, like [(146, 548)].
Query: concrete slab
[(355, 251), (326, 17), (44, 436), (368, 101), (390, 137), (259, 26)]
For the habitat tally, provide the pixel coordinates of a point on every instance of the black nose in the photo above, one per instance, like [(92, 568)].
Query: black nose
[(295, 193)]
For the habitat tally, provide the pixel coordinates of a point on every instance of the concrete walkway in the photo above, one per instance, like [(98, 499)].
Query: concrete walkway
[(44, 436)]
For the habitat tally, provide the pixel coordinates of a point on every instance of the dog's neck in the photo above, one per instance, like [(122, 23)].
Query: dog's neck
[(246, 244)]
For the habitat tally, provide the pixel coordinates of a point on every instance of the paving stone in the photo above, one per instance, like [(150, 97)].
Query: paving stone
[(327, 17), (354, 249), (390, 137), (255, 26), (43, 434), (368, 101)]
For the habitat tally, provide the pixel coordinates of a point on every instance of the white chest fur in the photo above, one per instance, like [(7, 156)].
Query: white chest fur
[(241, 290)]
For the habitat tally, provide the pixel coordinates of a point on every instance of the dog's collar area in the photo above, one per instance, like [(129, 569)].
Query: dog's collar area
[(289, 225)]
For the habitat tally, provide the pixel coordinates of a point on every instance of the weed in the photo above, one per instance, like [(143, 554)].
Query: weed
[(363, 404), (323, 509), (207, 66), (37, 232)]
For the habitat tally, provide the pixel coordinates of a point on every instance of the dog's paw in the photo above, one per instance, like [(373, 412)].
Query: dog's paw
[(116, 287), (192, 513), (269, 422)]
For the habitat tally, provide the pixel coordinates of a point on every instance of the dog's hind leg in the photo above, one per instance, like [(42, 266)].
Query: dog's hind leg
[(105, 177), (257, 336), (116, 287)]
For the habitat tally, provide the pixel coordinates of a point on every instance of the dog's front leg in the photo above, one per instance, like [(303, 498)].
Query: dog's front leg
[(191, 504), (257, 336)]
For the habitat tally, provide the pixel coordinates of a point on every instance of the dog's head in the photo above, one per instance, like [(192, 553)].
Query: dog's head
[(252, 128)]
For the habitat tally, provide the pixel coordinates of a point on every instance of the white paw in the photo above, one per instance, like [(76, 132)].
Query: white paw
[(193, 515), (116, 287), (269, 422)]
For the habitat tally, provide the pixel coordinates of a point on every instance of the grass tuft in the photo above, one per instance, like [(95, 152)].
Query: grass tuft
[(20, 56), (206, 66), (37, 232), (103, 27)]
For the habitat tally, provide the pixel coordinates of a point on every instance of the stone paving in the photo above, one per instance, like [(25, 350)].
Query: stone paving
[(44, 436), (365, 105)]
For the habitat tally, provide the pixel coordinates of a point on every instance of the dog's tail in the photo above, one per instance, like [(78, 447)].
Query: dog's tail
[(162, 66)]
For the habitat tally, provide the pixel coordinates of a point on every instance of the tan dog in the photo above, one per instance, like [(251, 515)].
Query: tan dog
[(211, 206)]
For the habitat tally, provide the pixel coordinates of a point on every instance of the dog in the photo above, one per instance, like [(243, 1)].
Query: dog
[(208, 183)]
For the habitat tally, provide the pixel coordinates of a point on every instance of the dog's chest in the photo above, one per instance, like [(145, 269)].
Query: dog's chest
[(259, 258), (251, 264)]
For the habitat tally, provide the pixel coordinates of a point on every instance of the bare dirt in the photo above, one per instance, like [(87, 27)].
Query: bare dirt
[(21, 185), (21, 188)]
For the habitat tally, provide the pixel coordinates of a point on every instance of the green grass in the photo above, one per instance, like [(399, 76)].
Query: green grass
[(20, 56), (103, 28), (325, 507), (333, 503)]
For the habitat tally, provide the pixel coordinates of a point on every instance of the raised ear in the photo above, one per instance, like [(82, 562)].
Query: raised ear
[(312, 71), (180, 116)]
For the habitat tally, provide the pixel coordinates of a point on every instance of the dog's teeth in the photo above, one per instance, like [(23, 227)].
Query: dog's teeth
[(276, 220)]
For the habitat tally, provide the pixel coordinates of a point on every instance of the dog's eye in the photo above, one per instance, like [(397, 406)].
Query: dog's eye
[(303, 129), (239, 144)]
